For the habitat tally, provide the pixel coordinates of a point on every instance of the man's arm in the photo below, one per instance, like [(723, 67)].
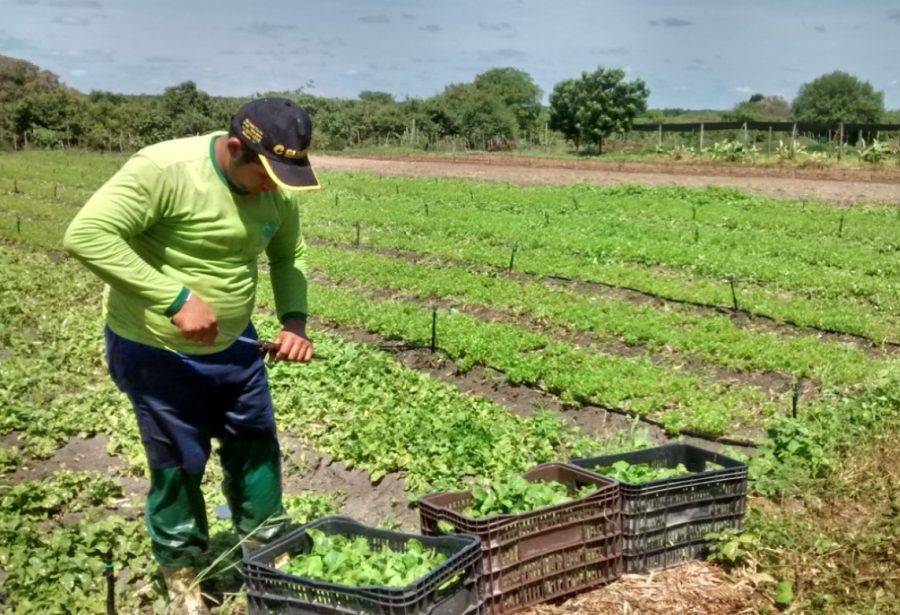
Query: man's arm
[(289, 272), (129, 203)]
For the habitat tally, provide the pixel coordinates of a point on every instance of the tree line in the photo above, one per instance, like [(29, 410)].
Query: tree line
[(499, 109)]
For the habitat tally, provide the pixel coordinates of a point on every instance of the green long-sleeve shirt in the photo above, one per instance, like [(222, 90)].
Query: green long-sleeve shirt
[(168, 223)]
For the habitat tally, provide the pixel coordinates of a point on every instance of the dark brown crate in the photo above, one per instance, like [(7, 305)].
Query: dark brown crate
[(664, 522), (544, 554)]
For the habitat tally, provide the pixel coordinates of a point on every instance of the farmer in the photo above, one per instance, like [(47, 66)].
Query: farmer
[(175, 234)]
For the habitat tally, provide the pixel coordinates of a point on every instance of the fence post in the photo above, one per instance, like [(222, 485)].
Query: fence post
[(433, 329), (701, 137), (746, 138), (512, 257), (795, 397), (840, 140), (793, 139), (659, 137), (769, 142)]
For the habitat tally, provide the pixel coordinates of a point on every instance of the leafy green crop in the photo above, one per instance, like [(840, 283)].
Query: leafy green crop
[(640, 472), (641, 238), (713, 338), (339, 559), (515, 495)]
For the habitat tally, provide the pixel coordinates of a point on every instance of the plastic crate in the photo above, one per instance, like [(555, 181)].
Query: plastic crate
[(543, 554), (270, 590), (664, 522)]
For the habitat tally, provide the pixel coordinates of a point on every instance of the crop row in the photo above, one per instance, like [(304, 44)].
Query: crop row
[(713, 338), (814, 223), (828, 268)]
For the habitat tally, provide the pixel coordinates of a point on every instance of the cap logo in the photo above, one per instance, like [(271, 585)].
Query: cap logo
[(287, 152), (251, 131)]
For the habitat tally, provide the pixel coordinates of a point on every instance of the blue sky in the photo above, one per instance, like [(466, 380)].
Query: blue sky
[(691, 54)]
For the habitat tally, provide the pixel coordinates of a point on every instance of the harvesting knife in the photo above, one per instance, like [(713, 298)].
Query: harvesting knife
[(265, 346)]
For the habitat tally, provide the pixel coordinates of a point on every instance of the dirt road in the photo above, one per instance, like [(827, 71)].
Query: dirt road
[(837, 186)]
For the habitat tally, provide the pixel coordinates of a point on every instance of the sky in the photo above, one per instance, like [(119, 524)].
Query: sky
[(699, 54)]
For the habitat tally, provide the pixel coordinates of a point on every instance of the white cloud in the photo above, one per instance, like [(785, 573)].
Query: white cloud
[(742, 89)]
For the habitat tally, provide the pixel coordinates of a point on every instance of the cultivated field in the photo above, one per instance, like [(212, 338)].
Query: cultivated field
[(567, 321)]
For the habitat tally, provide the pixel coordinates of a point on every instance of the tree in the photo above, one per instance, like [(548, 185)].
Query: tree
[(597, 105), (563, 110), (481, 117), (49, 119), (759, 109), (838, 97), (516, 90), (376, 97), (188, 109), (19, 78)]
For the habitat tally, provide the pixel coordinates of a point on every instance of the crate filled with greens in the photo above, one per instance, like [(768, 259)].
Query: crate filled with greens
[(551, 532), (672, 496), (338, 565)]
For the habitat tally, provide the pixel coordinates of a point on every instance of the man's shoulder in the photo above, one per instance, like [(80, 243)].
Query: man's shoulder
[(175, 152)]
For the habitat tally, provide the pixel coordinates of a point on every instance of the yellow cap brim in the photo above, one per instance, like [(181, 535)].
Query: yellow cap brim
[(296, 175)]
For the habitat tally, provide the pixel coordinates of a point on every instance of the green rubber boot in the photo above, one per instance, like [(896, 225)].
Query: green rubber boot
[(252, 486), (176, 518)]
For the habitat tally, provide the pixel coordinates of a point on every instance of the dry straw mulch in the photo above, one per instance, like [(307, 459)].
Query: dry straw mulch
[(696, 588)]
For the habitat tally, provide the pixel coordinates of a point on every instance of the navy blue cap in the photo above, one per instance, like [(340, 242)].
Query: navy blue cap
[(280, 132)]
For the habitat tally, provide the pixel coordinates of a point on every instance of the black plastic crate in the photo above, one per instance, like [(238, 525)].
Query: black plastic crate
[(270, 590), (664, 522)]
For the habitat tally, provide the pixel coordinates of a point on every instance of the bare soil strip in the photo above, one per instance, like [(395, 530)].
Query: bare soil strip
[(688, 166), (306, 469), (593, 420), (838, 186)]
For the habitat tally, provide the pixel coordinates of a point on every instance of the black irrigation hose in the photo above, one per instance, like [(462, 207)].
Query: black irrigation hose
[(723, 309)]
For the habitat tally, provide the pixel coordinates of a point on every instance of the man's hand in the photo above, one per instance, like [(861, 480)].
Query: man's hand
[(293, 345), (197, 321)]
